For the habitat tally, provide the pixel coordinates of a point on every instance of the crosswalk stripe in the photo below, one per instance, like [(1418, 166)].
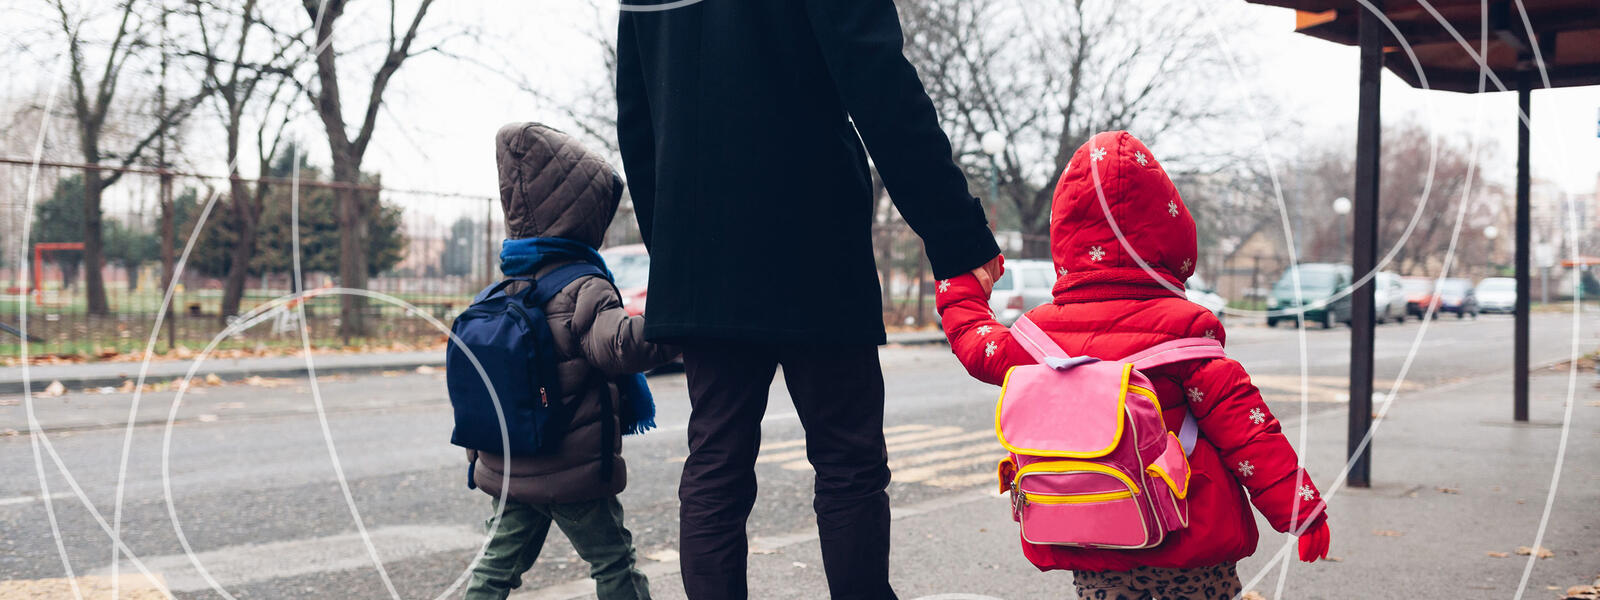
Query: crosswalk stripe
[(919, 474), (928, 457), (985, 479), (892, 441), (801, 465), (801, 442)]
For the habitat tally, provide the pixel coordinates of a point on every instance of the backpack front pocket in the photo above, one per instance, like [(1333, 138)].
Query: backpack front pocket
[(1084, 504)]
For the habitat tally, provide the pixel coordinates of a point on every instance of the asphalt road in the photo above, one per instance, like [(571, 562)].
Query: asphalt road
[(243, 477)]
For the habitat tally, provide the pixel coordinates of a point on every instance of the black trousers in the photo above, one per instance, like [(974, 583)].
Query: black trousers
[(838, 395)]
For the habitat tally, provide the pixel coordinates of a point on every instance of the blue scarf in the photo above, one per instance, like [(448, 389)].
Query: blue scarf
[(520, 258)]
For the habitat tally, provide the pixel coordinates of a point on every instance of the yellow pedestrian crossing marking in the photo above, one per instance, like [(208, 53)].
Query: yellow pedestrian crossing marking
[(891, 440), (941, 456)]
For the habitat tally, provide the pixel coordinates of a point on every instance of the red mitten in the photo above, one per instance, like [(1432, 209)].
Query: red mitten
[(1314, 542)]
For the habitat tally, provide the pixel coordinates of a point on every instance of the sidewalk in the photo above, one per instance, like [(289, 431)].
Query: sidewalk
[(101, 374), (1458, 488)]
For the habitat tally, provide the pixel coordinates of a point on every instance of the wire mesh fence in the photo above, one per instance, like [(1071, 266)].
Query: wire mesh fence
[(428, 249)]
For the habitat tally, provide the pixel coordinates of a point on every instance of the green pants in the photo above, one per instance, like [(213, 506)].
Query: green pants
[(595, 530)]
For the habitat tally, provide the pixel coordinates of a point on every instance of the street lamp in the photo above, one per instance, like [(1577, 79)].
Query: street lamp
[(1342, 206), (993, 144)]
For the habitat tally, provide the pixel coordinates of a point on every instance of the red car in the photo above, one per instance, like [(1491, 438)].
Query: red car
[(631, 266), (1419, 292)]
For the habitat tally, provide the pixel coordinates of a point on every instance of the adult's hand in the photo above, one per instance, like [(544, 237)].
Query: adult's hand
[(990, 272), (1314, 542)]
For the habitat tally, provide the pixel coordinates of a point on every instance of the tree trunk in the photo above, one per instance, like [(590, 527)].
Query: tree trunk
[(1034, 221), (93, 250), (245, 214), (352, 251), (133, 277)]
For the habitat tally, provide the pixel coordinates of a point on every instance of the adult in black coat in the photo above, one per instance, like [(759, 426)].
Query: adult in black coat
[(741, 125)]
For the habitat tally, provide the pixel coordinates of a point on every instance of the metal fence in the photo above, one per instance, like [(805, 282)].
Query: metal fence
[(431, 250)]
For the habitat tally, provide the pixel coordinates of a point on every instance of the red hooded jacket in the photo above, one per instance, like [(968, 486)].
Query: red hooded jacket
[(1123, 243)]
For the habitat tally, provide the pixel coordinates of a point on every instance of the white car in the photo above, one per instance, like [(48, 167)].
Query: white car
[(1388, 298), (1497, 294), (1025, 284), (1199, 293)]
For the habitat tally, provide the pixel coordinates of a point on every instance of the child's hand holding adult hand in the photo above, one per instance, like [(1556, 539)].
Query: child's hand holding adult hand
[(1314, 542), (990, 272)]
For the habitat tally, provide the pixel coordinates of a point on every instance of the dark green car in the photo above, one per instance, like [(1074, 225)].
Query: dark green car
[(1323, 295)]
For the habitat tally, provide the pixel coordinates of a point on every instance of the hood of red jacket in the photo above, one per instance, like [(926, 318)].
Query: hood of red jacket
[(1118, 228)]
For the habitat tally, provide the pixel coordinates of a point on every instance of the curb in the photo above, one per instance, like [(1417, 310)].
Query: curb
[(228, 374)]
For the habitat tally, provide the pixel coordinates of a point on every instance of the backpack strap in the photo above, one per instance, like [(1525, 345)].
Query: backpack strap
[(547, 286), (1042, 348), (495, 288), (1176, 351)]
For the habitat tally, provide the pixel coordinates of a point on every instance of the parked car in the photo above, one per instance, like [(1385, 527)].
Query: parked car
[(1200, 293), (1388, 298), (631, 266), (1497, 294), (1321, 296), (1025, 284), (1455, 295), (1419, 291)]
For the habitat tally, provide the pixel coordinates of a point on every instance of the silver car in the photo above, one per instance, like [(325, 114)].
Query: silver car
[(1026, 284), (1388, 298), (1497, 294)]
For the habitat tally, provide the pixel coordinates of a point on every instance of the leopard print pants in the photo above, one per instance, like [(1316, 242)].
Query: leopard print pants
[(1150, 583)]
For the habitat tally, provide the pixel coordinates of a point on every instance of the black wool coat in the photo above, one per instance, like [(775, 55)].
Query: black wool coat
[(741, 126)]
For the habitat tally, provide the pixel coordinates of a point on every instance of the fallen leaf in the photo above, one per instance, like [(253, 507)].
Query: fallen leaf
[(206, 418), (1252, 595), (425, 370), (1387, 533), (126, 387), (1498, 554), (212, 379), (1334, 559), (763, 551), (1543, 552), (799, 565), (1448, 490), (54, 390), (1594, 403)]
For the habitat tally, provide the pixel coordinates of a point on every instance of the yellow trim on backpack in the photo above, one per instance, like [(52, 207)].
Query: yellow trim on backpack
[(1067, 466), (1155, 469), (1122, 407)]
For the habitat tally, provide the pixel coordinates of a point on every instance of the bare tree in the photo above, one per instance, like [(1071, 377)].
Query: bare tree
[(347, 150), (248, 87), (1050, 74), (92, 102)]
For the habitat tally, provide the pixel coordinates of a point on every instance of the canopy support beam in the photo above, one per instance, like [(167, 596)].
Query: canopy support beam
[(1364, 252), (1524, 292)]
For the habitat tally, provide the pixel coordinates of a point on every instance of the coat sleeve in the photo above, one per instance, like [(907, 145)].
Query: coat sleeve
[(612, 340), (635, 130), (861, 43), (982, 344), (1234, 418)]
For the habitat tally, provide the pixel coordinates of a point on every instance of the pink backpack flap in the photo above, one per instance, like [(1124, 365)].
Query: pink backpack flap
[(1092, 464)]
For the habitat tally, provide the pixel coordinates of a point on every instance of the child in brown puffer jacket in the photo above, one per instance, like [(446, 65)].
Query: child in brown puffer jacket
[(558, 194)]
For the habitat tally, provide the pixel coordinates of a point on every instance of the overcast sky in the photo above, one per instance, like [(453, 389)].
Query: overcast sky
[(438, 126)]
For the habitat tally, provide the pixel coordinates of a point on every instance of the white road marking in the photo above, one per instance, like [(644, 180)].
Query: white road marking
[(237, 565), (663, 570), (31, 499), (892, 441)]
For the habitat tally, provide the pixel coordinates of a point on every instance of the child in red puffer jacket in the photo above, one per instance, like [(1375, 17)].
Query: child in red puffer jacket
[(1123, 245)]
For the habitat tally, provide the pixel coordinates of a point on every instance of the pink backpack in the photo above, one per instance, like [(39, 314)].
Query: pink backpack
[(1092, 464)]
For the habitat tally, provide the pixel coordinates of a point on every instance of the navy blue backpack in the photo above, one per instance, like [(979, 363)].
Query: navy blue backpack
[(508, 334)]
